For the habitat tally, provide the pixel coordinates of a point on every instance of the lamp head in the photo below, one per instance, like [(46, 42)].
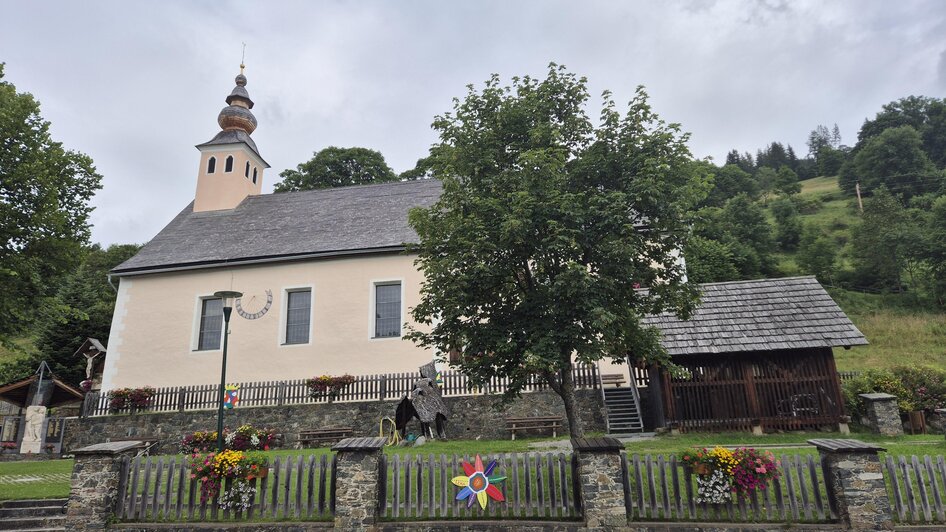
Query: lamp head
[(228, 296)]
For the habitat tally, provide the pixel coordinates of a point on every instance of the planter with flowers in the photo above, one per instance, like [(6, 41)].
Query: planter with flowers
[(328, 386), (245, 438), (721, 472), (86, 385), (134, 398), (214, 470), (8, 447)]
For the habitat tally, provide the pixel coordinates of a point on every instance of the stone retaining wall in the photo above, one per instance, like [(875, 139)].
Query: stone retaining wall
[(471, 417)]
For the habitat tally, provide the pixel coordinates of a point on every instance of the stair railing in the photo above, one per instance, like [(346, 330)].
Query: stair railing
[(604, 400)]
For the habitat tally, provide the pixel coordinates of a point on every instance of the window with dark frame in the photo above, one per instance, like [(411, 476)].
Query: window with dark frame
[(246, 173), (228, 167), (387, 310), (298, 314), (211, 165), (254, 175), (211, 324)]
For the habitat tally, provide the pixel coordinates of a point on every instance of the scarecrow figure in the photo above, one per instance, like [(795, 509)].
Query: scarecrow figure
[(425, 403)]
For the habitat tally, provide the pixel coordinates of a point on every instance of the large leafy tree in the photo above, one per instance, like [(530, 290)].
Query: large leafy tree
[(894, 158), (546, 227), (44, 208), (926, 115), (82, 307), (337, 167)]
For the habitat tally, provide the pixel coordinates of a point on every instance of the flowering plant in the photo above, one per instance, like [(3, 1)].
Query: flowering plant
[(212, 469), (722, 472), (245, 438), (125, 397), (85, 385), (327, 385), (8, 445)]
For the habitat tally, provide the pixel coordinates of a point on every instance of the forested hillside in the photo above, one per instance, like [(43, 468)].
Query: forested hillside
[(883, 255)]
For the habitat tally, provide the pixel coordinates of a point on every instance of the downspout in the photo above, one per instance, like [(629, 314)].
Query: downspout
[(108, 277)]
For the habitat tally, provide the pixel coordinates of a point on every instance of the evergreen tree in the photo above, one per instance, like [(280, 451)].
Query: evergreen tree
[(787, 224), (817, 254)]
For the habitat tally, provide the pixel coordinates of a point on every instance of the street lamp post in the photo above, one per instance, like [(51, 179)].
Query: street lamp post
[(227, 297)]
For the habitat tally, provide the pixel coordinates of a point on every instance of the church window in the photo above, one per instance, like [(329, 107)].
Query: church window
[(254, 175), (246, 173), (211, 165), (211, 324), (298, 316), (387, 310), (229, 166)]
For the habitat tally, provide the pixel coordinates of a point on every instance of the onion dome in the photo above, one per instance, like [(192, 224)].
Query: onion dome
[(237, 114)]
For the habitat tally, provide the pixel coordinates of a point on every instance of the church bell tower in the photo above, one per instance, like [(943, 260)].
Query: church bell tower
[(231, 167)]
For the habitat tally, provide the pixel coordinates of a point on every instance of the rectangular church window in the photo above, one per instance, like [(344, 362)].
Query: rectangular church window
[(387, 309), (211, 324), (298, 312)]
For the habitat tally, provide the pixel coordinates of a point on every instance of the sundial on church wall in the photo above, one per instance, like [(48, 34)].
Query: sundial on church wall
[(256, 304)]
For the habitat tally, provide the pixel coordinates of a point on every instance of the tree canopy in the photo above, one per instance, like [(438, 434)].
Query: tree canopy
[(546, 227), (335, 167), (44, 208), (894, 158)]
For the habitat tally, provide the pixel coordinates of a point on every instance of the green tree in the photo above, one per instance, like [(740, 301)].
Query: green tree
[(337, 167), (44, 208), (81, 308), (817, 254), (709, 261), (750, 236), (767, 178), (786, 181), (877, 243), (546, 226), (894, 158), (926, 115), (787, 224), (729, 181), (936, 254)]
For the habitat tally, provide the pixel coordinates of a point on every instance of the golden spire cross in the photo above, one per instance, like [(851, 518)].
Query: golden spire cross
[(242, 58)]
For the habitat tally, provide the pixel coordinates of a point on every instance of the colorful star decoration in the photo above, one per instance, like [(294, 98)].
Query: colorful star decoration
[(477, 484)]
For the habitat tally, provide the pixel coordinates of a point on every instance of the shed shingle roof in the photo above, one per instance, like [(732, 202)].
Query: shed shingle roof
[(759, 315), (288, 225)]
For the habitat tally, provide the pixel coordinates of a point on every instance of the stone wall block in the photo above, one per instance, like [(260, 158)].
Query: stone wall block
[(94, 482), (855, 483), (883, 414), (600, 477)]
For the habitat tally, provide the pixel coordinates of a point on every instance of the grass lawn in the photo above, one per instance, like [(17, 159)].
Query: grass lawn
[(54, 486), (789, 443)]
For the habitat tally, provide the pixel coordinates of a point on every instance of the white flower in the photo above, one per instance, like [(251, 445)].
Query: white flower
[(715, 488)]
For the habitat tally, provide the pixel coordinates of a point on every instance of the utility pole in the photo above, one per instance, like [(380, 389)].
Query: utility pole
[(860, 202)]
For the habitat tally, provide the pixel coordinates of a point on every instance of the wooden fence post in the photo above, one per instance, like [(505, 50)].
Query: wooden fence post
[(383, 388), (181, 396), (281, 395)]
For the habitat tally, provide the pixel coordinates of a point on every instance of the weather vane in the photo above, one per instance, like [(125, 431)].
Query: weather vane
[(242, 58)]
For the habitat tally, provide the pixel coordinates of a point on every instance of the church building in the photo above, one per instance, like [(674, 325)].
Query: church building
[(326, 283)]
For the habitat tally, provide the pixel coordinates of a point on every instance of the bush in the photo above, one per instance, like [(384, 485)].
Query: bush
[(916, 388)]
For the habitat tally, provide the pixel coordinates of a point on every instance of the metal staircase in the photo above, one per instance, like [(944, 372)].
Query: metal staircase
[(623, 410)]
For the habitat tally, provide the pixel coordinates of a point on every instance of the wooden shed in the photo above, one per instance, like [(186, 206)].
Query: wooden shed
[(756, 354)]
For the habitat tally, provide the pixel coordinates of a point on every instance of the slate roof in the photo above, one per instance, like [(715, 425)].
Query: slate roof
[(291, 225), (234, 136), (759, 315)]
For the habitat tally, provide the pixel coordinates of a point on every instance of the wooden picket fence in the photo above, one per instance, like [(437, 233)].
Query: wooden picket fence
[(537, 486), (660, 488), (161, 489), (278, 393), (916, 488)]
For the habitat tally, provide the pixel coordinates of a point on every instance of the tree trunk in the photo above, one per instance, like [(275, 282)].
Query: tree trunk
[(564, 385)]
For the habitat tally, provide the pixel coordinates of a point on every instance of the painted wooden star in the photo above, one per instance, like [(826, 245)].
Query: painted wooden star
[(477, 484)]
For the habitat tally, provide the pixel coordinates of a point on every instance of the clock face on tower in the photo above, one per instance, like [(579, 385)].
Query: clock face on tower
[(257, 305)]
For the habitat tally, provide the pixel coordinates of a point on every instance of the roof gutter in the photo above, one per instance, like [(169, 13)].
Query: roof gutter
[(261, 260)]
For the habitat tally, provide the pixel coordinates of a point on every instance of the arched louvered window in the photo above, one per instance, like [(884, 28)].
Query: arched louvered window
[(229, 165), (254, 175), (211, 165), (246, 173)]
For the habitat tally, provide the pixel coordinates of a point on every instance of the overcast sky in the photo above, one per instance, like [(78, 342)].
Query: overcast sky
[(136, 85)]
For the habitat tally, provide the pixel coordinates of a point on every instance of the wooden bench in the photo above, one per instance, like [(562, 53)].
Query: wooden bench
[(617, 379), (553, 423), (326, 436)]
